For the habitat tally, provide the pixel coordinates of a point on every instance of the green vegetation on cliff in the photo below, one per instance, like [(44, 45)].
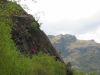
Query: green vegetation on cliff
[(11, 61)]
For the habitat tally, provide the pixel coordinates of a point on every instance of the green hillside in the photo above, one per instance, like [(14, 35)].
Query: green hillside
[(14, 63)]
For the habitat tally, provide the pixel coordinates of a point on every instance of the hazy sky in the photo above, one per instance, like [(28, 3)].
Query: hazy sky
[(77, 17)]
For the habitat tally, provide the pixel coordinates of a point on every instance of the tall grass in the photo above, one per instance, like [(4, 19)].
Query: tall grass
[(14, 63)]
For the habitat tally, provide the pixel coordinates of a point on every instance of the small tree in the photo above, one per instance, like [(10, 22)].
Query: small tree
[(69, 69)]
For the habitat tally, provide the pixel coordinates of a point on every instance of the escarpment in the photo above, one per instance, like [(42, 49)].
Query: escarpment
[(29, 38), (20, 31)]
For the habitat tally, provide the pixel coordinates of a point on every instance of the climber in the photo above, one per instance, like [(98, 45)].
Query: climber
[(33, 50)]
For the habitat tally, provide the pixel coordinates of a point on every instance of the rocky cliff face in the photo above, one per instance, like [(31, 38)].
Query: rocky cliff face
[(20, 30), (28, 37), (83, 54), (61, 42)]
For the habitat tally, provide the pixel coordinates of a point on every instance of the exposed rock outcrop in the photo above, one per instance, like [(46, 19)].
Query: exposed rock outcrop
[(29, 38)]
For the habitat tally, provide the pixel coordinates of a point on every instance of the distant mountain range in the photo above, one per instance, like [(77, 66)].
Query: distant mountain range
[(83, 54)]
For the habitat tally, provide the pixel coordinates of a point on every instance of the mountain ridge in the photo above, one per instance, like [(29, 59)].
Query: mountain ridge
[(78, 52)]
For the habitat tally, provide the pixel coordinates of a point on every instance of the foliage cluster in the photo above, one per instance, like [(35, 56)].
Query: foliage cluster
[(78, 72), (11, 61), (14, 63)]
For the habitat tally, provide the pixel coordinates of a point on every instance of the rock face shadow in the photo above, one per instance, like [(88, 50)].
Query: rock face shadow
[(28, 37)]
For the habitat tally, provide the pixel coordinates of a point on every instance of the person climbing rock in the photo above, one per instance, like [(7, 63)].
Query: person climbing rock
[(33, 50)]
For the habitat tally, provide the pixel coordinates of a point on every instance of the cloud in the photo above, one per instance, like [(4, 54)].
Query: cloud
[(93, 35), (77, 17), (72, 27)]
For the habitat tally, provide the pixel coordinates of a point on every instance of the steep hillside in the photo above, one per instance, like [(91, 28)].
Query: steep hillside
[(12, 62), (24, 48), (81, 53), (28, 37)]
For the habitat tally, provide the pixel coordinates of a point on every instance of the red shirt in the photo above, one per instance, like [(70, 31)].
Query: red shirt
[(33, 50)]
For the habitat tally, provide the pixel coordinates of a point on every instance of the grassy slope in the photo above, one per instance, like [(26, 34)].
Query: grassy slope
[(11, 61)]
